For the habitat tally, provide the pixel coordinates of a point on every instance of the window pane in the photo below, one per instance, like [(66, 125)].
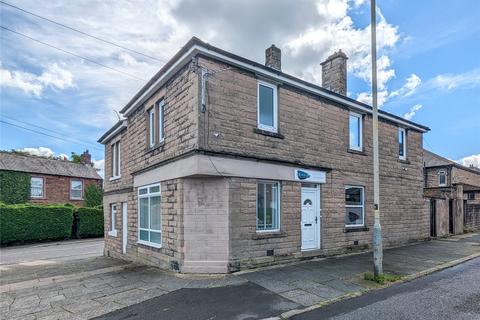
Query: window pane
[(76, 185), (401, 139), (155, 213), (36, 182), (269, 210), (266, 105), (353, 196), (354, 216), (155, 237), (161, 122), (260, 206), (144, 213), (76, 194), (143, 191), (442, 178), (143, 235), (354, 131), (154, 189)]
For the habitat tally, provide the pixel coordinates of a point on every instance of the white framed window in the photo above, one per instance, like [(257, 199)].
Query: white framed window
[(151, 127), (115, 160), (442, 178), (355, 131), (354, 206), (150, 216), (268, 206), (36, 187), (161, 120), (267, 106), (402, 144), (76, 189), (113, 218)]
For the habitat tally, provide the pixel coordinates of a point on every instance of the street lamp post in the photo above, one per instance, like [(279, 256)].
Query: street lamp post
[(377, 228)]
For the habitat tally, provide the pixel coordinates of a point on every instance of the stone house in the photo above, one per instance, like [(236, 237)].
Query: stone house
[(222, 163), (453, 192), (53, 180)]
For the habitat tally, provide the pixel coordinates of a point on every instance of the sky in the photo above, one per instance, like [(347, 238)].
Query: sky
[(55, 103)]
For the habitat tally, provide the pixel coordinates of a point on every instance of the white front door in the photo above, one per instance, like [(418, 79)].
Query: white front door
[(124, 227), (310, 218)]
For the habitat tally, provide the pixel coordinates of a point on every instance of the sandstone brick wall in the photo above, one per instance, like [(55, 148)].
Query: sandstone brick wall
[(172, 227), (316, 134), (57, 189), (431, 176), (465, 176), (180, 114)]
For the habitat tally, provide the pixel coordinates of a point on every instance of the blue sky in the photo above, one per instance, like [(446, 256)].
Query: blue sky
[(429, 69)]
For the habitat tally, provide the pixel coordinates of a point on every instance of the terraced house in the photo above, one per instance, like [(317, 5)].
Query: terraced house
[(222, 163)]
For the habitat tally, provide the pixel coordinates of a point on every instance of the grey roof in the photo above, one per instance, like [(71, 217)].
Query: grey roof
[(431, 159), (33, 164)]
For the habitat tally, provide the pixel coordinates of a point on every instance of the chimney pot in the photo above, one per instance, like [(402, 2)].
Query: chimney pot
[(273, 58), (334, 73)]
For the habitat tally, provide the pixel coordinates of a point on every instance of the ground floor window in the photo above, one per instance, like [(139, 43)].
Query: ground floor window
[(150, 216), (36, 187), (268, 206), (113, 214), (354, 205)]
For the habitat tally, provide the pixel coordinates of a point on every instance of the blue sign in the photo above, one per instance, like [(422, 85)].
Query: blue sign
[(302, 175)]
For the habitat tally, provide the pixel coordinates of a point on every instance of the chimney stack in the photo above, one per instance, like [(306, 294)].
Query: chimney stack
[(86, 158), (273, 58), (334, 73)]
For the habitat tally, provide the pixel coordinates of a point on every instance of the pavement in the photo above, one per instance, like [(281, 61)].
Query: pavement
[(453, 293), (96, 286)]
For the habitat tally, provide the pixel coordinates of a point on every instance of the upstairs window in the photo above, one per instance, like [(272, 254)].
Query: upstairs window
[(442, 178), (471, 196), (76, 189), (116, 160), (268, 206), (151, 127), (36, 187), (354, 206), (402, 144), (267, 108), (355, 129)]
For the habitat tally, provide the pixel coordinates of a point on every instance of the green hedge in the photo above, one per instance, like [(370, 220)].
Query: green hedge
[(14, 187), (93, 196), (90, 222), (25, 222)]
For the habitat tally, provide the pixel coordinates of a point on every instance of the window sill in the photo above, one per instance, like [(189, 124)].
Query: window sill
[(155, 147), (76, 199), (360, 152), (115, 178), (269, 133), (355, 229), (150, 244), (112, 233), (405, 161), (268, 235)]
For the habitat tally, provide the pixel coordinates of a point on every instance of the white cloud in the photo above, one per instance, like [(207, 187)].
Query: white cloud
[(100, 166), (413, 110), (40, 151), (410, 86), (453, 81), (53, 76), (471, 160)]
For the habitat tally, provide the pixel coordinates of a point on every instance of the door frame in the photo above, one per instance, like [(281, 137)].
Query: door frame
[(433, 218), (124, 226), (319, 216)]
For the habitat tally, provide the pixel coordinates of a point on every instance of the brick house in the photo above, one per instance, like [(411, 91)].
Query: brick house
[(453, 192), (53, 180), (222, 163)]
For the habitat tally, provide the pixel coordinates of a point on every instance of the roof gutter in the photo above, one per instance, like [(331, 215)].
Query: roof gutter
[(104, 139)]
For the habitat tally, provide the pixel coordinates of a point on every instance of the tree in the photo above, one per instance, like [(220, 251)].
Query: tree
[(76, 158), (93, 195)]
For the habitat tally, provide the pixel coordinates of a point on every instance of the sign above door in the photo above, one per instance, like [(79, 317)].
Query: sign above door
[(310, 175)]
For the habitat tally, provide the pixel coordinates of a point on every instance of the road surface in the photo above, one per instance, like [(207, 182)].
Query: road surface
[(450, 294)]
